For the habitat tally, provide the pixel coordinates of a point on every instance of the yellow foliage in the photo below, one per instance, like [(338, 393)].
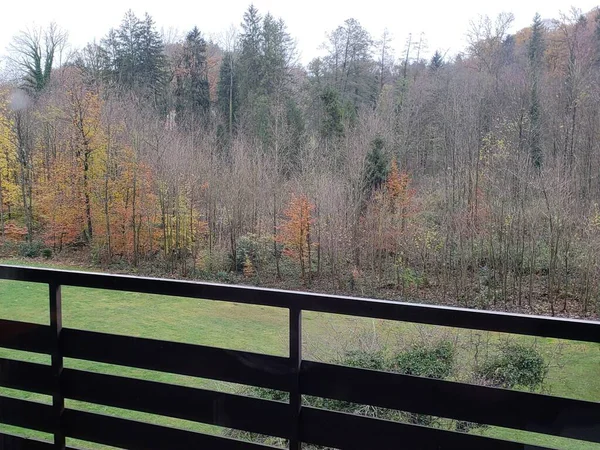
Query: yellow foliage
[(9, 189), (248, 268), (595, 220)]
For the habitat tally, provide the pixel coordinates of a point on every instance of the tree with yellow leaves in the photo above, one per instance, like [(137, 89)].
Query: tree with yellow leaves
[(83, 108), (249, 271), (9, 190)]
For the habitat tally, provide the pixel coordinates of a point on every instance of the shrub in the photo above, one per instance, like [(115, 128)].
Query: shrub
[(410, 277), (47, 253), (365, 359), (30, 249), (374, 360), (435, 361), (515, 366), (430, 362), (426, 361), (8, 248), (223, 277), (250, 248)]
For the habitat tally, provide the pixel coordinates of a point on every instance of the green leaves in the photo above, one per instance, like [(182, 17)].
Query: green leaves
[(332, 126), (33, 52), (431, 362), (376, 168), (134, 55), (516, 366), (192, 96)]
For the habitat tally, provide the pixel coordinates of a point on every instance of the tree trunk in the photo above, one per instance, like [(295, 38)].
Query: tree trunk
[(275, 250), (133, 223)]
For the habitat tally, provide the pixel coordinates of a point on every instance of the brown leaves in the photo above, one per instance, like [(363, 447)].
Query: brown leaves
[(295, 231), (398, 191)]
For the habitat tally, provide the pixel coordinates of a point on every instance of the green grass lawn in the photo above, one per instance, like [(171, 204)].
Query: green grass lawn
[(574, 371)]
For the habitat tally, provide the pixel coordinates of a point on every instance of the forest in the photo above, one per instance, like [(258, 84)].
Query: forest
[(468, 179)]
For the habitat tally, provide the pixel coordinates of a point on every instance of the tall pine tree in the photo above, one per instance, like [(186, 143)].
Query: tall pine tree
[(192, 97), (276, 56), (134, 57), (250, 60), (227, 91), (376, 167), (437, 61), (535, 55)]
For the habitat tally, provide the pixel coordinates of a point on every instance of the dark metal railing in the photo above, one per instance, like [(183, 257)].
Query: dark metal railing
[(292, 421)]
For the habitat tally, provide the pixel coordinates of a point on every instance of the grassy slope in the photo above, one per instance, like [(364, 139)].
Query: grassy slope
[(574, 372)]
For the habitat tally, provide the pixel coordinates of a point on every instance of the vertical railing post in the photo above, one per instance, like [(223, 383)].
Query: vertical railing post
[(58, 401), (296, 360)]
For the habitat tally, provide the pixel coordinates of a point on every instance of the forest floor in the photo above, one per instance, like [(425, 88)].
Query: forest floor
[(573, 370)]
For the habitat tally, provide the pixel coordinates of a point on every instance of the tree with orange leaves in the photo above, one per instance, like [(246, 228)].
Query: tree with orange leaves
[(399, 193), (392, 208), (295, 231)]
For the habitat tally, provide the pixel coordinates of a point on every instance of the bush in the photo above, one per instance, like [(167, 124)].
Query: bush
[(426, 361), (515, 366), (30, 249), (364, 359), (373, 360), (434, 361), (8, 248), (410, 277), (223, 277), (47, 253), (250, 248), (430, 362)]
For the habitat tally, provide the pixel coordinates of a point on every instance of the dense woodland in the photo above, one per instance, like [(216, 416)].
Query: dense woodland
[(470, 179)]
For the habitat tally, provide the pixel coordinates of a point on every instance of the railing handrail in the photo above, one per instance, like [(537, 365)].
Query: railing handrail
[(451, 316)]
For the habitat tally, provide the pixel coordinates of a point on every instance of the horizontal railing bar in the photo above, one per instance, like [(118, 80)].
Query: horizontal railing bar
[(12, 442), (30, 337), (349, 432), (486, 405), (530, 325), (135, 435), (234, 366), (26, 376), (199, 405), (26, 414), (580, 330)]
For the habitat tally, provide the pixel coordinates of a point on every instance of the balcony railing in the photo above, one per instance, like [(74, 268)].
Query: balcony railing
[(290, 420)]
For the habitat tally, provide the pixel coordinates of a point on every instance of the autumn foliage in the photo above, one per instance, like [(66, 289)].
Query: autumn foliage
[(91, 188), (399, 192), (470, 179), (295, 232), (386, 222)]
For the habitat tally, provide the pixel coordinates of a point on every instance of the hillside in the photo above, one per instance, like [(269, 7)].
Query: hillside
[(469, 180)]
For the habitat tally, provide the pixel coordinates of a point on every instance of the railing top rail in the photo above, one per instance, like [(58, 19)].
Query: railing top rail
[(573, 329)]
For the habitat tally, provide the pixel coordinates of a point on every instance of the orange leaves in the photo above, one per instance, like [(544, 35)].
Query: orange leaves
[(295, 231), (59, 203), (125, 206), (14, 232), (385, 224), (398, 190)]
